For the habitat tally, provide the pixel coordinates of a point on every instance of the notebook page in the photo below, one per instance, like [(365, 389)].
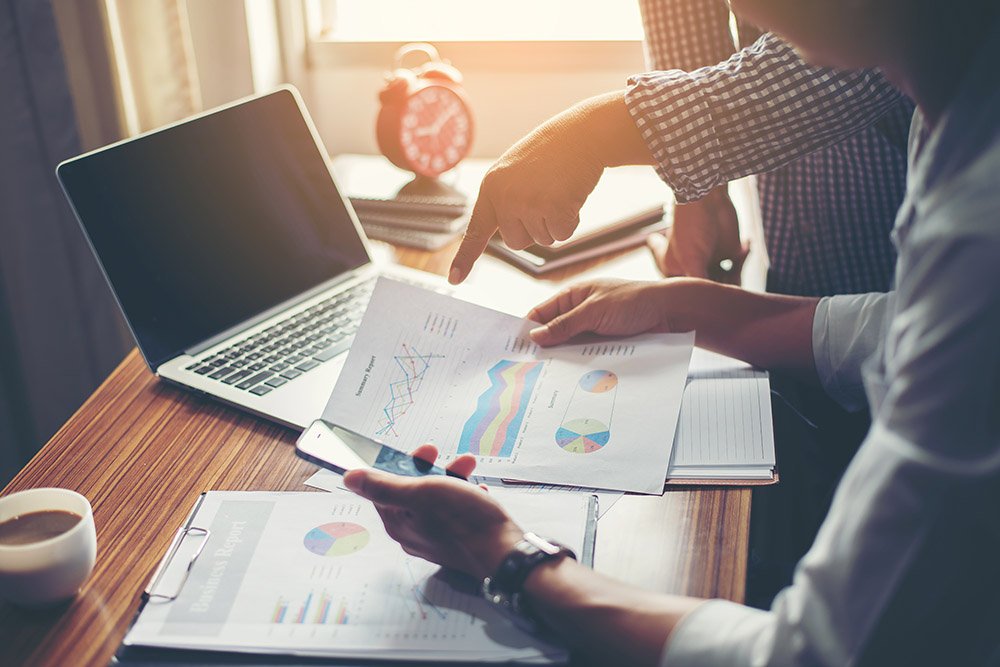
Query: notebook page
[(725, 417)]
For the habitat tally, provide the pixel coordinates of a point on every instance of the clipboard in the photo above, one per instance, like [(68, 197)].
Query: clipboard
[(138, 655)]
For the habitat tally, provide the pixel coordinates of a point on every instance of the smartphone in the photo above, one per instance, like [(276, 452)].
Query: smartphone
[(340, 450)]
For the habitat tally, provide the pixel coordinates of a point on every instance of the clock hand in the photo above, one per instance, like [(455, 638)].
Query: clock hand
[(438, 124), (444, 119)]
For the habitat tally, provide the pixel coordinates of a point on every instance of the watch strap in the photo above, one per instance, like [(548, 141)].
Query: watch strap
[(505, 587)]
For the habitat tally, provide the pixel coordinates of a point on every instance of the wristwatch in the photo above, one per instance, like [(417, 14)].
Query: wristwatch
[(504, 589)]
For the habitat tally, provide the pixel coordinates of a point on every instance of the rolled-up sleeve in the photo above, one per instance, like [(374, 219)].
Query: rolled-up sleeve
[(759, 110), (846, 332)]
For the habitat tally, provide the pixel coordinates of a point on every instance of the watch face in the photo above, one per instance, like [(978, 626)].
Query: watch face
[(436, 130)]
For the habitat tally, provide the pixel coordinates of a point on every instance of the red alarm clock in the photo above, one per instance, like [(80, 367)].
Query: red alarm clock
[(424, 125)]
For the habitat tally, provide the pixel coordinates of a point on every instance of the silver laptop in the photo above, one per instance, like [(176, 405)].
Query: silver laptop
[(240, 268)]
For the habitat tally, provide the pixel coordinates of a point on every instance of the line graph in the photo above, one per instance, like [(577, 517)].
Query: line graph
[(411, 367)]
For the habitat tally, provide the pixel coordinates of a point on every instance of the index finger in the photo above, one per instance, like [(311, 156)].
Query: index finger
[(482, 227)]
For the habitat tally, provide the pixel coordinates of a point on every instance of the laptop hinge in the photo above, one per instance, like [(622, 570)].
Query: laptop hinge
[(343, 279)]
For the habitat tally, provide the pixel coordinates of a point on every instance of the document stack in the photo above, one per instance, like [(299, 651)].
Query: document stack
[(394, 205)]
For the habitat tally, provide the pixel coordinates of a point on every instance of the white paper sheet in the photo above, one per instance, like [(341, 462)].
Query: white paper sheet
[(425, 367), (316, 574)]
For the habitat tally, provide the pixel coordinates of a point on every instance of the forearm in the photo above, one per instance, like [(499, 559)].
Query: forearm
[(753, 113), (603, 126), (770, 331), (605, 620)]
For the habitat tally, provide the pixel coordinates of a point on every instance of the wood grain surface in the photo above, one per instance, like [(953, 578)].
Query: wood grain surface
[(142, 451)]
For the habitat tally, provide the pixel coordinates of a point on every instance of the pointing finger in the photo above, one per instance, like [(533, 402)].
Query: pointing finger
[(482, 226)]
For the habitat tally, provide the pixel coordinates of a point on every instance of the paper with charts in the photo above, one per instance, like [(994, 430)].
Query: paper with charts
[(316, 574), (426, 367)]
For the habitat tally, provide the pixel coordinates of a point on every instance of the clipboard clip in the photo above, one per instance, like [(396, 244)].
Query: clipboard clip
[(150, 592)]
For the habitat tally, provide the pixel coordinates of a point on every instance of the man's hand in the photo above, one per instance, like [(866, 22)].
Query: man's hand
[(441, 519), (605, 307), (704, 235), (534, 192)]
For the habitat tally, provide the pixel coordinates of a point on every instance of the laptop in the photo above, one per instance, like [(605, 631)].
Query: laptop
[(240, 268)]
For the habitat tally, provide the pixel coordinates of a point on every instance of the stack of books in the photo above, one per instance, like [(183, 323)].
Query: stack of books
[(396, 206)]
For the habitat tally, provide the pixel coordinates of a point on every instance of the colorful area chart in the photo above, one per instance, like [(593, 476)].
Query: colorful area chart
[(598, 382), (492, 429), (582, 436), (336, 539)]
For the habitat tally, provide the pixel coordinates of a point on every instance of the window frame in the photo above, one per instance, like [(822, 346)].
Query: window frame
[(526, 56)]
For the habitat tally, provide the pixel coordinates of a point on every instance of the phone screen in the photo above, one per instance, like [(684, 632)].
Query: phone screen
[(340, 450)]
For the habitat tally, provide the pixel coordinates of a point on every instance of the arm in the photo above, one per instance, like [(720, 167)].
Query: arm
[(879, 583), (534, 192), (770, 331), (686, 35), (757, 111), (460, 526)]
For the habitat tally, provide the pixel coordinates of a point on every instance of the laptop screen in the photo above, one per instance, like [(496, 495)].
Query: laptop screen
[(205, 224)]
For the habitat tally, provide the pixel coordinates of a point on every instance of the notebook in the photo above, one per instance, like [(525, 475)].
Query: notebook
[(724, 431)]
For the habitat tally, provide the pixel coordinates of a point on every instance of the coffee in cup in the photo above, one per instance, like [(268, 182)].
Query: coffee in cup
[(48, 545)]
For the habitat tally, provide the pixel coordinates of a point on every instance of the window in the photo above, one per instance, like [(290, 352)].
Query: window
[(523, 60), (475, 20)]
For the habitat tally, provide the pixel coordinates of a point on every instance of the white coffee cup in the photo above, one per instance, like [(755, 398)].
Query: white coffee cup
[(49, 571)]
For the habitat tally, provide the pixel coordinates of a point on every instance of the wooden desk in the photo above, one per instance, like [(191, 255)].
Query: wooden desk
[(142, 451)]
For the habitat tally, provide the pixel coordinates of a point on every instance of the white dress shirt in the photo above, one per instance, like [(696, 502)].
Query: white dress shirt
[(906, 568)]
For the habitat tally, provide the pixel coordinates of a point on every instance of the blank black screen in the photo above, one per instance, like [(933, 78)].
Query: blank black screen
[(206, 224)]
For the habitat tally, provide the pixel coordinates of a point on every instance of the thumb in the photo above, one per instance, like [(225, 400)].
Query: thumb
[(381, 488), (560, 329), (657, 244)]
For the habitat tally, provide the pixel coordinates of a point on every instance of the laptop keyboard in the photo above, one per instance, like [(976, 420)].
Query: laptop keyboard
[(296, 345)]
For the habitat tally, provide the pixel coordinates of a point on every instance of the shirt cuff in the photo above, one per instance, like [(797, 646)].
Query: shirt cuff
[(676, 123), (717, 633), (846, 332)]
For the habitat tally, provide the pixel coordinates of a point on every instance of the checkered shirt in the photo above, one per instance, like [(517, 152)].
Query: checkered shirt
[(829, 146)]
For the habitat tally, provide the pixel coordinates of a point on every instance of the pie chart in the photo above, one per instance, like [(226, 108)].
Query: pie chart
[(336, 539), (598, 382), (582, 436)]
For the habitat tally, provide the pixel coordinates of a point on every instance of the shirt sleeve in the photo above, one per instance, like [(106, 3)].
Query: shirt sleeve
[(846, 332), (890, 569), (759, 110), (686, 34)]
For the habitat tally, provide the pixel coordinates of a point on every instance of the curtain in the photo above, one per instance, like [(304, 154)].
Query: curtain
[(60, 331), (155, 61)]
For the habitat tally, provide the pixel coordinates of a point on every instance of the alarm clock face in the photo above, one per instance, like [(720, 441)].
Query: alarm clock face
[(436, 130)]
